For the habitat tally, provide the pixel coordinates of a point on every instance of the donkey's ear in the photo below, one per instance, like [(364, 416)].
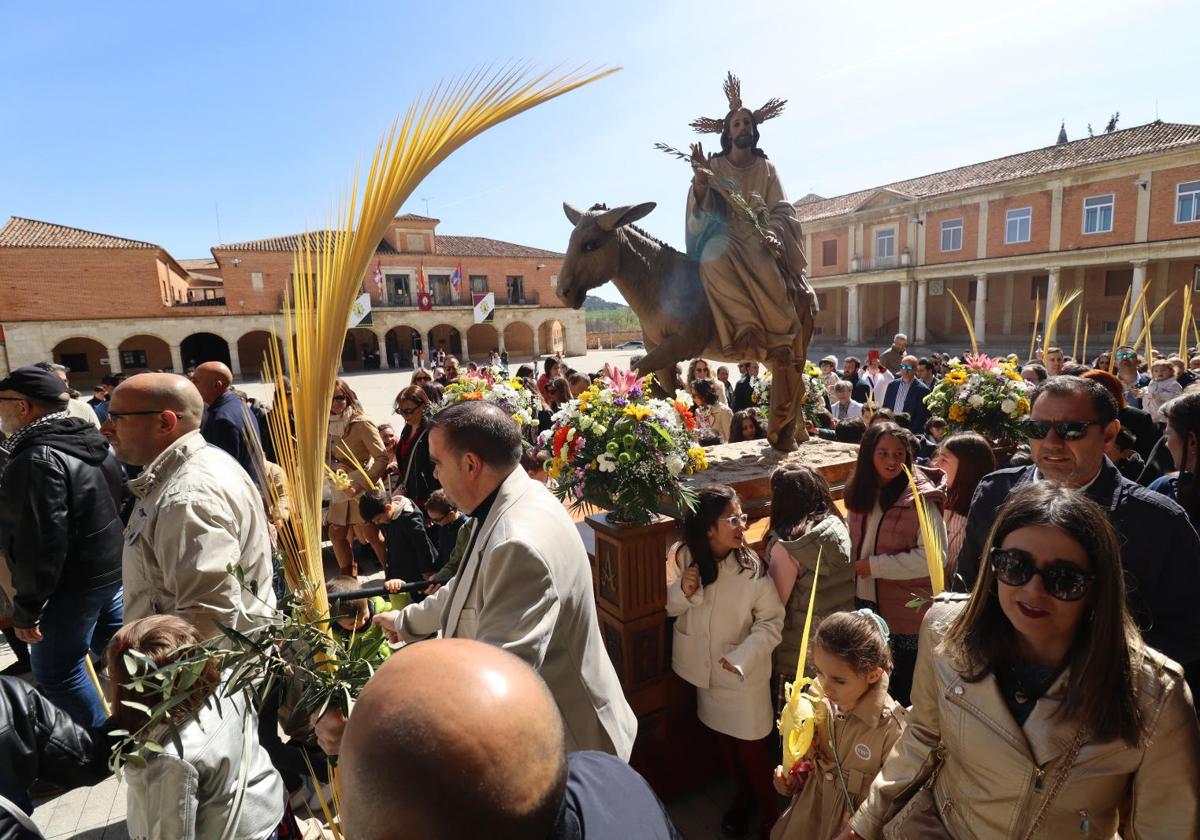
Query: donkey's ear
[(573, 215), (619, 216)]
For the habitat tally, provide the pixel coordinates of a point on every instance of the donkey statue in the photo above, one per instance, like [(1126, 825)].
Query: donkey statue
[(663, 288)]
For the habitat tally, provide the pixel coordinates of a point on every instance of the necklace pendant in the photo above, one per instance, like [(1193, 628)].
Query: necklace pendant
[(1020, 696)]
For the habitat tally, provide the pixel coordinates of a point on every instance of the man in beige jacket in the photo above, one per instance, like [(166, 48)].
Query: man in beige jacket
[(197, 512), (525, 584)]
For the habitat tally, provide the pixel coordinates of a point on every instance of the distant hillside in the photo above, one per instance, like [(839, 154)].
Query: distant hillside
[(606, 316)]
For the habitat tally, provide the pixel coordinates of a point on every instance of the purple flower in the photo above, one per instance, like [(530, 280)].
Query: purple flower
[(578, 491), (620, 403)]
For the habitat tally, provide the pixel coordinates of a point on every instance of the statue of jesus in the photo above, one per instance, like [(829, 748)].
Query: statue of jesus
[(745, 235)]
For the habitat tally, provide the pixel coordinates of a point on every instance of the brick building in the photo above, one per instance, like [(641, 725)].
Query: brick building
[(102, 304), (1100, 214)]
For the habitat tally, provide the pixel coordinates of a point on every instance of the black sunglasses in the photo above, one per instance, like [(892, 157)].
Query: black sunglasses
[(1064, 581), (1065, 429)]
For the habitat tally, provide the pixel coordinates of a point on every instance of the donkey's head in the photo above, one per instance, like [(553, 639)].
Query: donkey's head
[(593, 254)]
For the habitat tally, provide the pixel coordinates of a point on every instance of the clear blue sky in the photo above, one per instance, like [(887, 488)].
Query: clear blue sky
[(141, 119)]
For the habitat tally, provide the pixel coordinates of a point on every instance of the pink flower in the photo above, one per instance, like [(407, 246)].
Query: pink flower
[(981, 362), (621, 381)]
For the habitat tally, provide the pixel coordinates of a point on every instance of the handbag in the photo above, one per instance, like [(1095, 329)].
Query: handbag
[(920, 819)]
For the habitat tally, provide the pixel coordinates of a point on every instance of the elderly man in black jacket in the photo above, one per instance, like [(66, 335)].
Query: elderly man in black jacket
[(1071, 421), (62, 535)]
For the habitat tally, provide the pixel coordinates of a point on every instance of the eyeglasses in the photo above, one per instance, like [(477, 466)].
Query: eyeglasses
[(906, 367), (735, 521), (407, 412), (118, 415), (340, 398), (1065, 429), (1063, 581)]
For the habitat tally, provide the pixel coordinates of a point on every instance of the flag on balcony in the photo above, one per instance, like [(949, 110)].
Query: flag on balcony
[(425, 302), (378, 277), (421, 288), (456, 278)]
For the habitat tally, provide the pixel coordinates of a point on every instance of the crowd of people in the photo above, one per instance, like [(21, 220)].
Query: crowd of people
[(1049, 692)]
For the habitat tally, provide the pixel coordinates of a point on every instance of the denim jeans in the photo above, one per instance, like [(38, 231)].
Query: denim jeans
[(71, 623)]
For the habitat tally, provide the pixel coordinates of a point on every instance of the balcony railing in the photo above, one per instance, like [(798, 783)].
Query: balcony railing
[(901, 260), (203, 302)]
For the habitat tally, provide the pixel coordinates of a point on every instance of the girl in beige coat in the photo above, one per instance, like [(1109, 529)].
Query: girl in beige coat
[(728, 620), (862, 724), (352, 433)]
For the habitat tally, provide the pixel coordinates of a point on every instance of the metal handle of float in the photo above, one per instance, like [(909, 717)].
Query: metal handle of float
[(379, 591)]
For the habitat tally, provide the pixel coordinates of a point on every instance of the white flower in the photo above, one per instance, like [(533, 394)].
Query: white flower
[(675, 464), (600, 430), (976, 400), (1009, 407), (586, 421), (684, 397), (606, 462)]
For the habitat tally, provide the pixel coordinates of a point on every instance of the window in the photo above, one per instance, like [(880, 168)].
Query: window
[(397, 286), (439, 284), (1098, 214), (1117, 281), (952, 235), (133, 359), (885, 244), (1016, 225), (515, 285), (1196, 279), (1039, 287), (75, 362), (479, 284), (1188, 206), (829, 252)]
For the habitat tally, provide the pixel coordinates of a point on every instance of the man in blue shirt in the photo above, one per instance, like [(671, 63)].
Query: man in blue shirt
[(907, 394)]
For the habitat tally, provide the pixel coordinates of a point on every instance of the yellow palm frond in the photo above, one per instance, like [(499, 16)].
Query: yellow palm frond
[(1183, 322), (1149, 317), (1037, 313), (329, 267), (934, 550), (1054, 309), (967, 321), (1085, 339), (1112, 356), (1075, 339)]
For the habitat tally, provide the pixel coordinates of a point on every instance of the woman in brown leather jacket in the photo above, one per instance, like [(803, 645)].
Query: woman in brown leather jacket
[(1037, 710)]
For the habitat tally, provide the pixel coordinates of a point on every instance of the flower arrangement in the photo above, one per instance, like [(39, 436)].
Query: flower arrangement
[(617, 449), (814, 393), (983, 395), (489, 385)]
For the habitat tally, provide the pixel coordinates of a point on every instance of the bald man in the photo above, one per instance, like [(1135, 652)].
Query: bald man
[(227, 424), (197, 512), (470, 744)]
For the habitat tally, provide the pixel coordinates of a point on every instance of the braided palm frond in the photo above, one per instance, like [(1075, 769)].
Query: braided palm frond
[(329, 270), (707, 125)]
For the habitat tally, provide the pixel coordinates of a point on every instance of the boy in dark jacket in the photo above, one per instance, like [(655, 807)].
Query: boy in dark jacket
[(409, 554)]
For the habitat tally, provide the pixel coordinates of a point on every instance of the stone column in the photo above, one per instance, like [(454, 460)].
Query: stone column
[(176, 358), (537, 351), (235, 360), (904, 322), (1139, 280), (1051, 300), (853, 316), (381, 336), (114, 358), (922, 303), (981, 309), (466, 353)]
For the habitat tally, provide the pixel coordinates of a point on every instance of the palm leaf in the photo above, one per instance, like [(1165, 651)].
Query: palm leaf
[(1054, 309), (1149, 317), (1075, 339), (1037, 313), (329, 268), (967, 321), (934, 550), (1112, 356), (1183, 322)]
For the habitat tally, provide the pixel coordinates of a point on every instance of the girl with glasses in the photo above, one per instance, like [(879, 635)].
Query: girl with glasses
[(728, 621), (351, 432), (1050, 715), (886, 543), (414, 468)]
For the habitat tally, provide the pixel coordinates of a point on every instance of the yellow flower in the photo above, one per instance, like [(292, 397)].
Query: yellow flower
[(1013, 375), (638, 412), (1022, 406), (698, 458), (957, 377), (958, 412)]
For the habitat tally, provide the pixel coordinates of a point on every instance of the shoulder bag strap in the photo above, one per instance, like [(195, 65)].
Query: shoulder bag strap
[(412, 456), (1059, 780)]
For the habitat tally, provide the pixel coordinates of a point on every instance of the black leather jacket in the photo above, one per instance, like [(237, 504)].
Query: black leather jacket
[(60, 526), (40, 741)]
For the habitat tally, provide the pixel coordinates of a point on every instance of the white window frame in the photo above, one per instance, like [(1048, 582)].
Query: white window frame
[(1192, 190), (949, 226), (1098, 203), (890, 233), (1018, 215), (1196, 279)]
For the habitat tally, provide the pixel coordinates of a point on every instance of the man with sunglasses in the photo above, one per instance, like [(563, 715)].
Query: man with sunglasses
[(61, 533), (197, 512), (1071, 422), (908, 394)]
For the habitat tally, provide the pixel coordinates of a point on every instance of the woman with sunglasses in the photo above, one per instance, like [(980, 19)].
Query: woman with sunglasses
[(1051, 717), (699, 369), (352, 433), (728, 621), (886, 544), (414, 467)]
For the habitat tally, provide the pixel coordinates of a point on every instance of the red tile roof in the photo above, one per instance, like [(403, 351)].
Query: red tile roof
[(1130, 142), (444, 246), (30, 233)]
